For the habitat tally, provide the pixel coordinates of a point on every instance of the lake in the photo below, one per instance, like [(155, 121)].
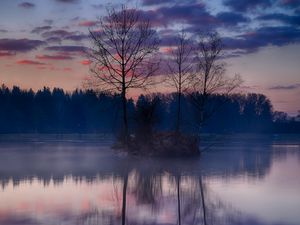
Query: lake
[(78, 179)]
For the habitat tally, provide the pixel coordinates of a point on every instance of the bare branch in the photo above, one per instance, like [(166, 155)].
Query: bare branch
[(210, 77), (122, 55)]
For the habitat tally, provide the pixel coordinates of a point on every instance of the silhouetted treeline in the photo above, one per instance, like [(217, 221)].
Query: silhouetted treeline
[(56, 111)]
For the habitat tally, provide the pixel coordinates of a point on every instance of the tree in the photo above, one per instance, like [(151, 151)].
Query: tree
[(146, 117), (210, 77), (180, 70), (123, 54)]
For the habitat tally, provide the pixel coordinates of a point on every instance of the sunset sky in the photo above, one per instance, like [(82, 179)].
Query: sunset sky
[(41, 41)]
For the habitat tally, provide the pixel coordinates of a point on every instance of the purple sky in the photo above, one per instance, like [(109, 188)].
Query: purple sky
[(41, 41)]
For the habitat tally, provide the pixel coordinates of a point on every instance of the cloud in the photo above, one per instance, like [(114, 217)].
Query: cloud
[(252, 41), (3, 31), (88, 23), (288, 19), (160, 2), (68, 1), (285, 87), (30, 62), (191, 14), (245, 5), (20, 45), (53, 40), (195, 15), (78, 37), (155, 2), (290, 3), (48, 21), (97, 6), (85, 62), (76, 18), (67, 48), (166, 50), (231, 18), (7, 53), (54, 57), (38, 30), (170, 39), (57, 33), (278, 36), (26, 5)]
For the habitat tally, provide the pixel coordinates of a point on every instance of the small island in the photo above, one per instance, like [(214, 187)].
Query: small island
[(162, 145)]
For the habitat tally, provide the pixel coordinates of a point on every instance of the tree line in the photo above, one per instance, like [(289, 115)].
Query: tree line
[(85, 111)]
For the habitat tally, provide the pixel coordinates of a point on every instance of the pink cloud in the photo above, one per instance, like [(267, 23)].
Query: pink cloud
[(7, 53), (88, 23), (30, 62), (54, 57), (85, 62), (166, 50)]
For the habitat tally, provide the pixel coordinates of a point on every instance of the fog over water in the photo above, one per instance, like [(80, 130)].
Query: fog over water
[(70, 179)]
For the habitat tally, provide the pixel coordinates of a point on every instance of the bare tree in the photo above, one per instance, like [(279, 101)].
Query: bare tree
[(210, 77), (180, 70), (123, 52)]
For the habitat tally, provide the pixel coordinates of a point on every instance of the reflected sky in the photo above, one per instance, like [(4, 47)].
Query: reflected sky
[(255, 183)]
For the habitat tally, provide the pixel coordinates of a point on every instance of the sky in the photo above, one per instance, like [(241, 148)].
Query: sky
[(42, 41)]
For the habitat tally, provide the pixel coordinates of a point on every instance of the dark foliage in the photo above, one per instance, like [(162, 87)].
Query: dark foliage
[(146, 117), (55, 111)]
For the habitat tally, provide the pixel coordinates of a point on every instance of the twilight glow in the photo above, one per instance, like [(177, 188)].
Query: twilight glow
[(42, 42)]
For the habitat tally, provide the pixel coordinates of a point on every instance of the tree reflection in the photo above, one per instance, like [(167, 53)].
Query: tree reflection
[(178, 199), (125, 183), (148, 188), (202, 200), (138, 191)]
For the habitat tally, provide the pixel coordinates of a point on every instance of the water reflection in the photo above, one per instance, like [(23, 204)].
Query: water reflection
[(82, 183)]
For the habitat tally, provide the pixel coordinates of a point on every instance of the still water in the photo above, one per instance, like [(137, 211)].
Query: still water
[(78, 180)]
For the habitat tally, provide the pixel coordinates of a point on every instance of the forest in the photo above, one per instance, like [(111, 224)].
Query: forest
[(86, 111)]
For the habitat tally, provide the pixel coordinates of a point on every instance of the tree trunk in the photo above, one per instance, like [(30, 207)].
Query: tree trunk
[(125, 121), (178, 200), (202, 201), (124, 200), (178, 112)]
